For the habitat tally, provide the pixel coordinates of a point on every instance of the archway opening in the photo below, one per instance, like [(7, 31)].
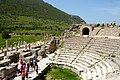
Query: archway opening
[(85, 31)]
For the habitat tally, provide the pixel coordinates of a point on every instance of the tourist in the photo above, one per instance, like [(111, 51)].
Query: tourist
[(36, 67), (21, 68), (34, 61), (23, 65), (23, 75), (27, 70), (31, 62), (28, 66), (21, 61), (26, 73)]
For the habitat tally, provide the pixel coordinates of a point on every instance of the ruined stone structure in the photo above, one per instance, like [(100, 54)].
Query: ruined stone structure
[(85, 30), (93, 57), (101, 31), (9, 60)]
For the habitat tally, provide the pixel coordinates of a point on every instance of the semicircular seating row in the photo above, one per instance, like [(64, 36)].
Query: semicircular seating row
[(109, 32), (96, 58)]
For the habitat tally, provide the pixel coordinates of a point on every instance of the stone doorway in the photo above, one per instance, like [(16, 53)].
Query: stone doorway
[(85, 31)]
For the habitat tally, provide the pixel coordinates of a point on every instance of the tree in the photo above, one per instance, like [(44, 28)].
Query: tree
[(6, 35), (98, 25)]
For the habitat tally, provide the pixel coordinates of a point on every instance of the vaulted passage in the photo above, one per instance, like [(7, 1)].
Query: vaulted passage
[(85, 31)]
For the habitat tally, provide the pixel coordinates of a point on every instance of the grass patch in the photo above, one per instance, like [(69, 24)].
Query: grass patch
[(57, 73), (15, 39)]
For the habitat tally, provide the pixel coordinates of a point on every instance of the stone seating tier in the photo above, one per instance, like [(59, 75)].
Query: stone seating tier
[(96, 57)]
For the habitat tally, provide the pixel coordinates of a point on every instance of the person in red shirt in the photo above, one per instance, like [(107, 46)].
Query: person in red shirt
[(23, 75), (21, 61)]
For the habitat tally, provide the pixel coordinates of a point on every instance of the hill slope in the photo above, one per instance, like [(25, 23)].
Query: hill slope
[(32, 14), (77, 19)]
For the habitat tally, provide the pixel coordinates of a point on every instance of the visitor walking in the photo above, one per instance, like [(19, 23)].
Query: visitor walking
[(27, 70), (36, 67), (31, 62), (23, 75), (21, 61), (27, 64), (26, 73)]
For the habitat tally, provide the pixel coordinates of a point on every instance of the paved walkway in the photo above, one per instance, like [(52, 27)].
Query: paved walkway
[(42, 64)]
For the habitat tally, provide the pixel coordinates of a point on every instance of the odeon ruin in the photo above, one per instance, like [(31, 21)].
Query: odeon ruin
[(93, 53)]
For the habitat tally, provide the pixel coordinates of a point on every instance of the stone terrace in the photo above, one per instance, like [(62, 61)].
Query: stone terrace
[(108, 31), (95, 58)]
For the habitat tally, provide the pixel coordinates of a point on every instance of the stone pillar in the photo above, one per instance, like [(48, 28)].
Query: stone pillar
[(35, 43), (23, 42), (7, 45), (19, 44), (25, 46), (16, 48), (11, 47), (29, 46)]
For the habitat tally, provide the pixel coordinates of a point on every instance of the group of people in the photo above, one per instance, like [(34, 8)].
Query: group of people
[(25, 65)]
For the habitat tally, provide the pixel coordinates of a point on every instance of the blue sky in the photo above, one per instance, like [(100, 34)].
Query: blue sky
[(92, 11)]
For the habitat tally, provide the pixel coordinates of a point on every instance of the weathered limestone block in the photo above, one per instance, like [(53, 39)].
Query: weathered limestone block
[(4, 62), (10, 69), (8, 72), (2, 72), (1, 57), (14, 57)]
